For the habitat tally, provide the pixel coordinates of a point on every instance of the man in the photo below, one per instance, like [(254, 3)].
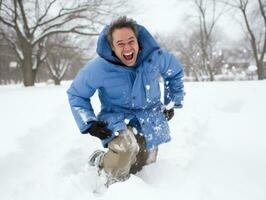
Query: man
[(132, 122)]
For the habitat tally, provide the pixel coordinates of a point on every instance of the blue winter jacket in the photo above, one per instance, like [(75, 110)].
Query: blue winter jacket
[(128, 94)]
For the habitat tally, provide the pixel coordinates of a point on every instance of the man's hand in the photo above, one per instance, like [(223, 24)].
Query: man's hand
[(99, 129), (169, 113)]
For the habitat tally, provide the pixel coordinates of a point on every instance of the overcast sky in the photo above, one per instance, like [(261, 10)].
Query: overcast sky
[(166, 16)]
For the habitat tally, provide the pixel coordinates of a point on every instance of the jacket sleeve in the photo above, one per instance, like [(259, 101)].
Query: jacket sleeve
[(79, 94), (172, 73)]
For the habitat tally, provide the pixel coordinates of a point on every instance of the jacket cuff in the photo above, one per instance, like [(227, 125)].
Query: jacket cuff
[(178, 106), (86, 128)]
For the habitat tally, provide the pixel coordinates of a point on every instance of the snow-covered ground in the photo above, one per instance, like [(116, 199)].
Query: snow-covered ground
[(218, 150)]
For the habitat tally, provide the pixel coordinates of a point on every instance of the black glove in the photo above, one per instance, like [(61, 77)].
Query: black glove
[(169, 113), (99, 129)]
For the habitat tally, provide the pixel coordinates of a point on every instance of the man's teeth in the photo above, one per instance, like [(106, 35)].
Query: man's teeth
[(128, 54)]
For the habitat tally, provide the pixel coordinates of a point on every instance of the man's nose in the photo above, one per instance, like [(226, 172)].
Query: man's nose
[(127, 47)]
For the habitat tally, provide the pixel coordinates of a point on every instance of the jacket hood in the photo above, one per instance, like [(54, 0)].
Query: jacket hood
[(146, 42)]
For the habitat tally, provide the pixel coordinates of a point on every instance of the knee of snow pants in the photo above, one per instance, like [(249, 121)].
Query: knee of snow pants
[(144, 156), (121, 154)]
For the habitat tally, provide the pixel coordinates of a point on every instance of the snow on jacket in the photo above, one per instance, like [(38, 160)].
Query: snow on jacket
[(128, 94)]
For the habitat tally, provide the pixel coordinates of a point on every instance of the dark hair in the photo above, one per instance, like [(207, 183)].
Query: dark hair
[(121, 22)]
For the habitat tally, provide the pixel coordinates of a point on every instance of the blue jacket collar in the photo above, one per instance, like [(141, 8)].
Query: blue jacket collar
[(146, 42)]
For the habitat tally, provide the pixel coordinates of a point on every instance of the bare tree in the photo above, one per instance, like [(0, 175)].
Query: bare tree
[(61, 53), (9, 67), (208, 15), (30, 23), (187, 49), (256, 34), (190, 50)]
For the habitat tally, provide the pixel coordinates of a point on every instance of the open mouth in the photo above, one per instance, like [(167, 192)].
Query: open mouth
[(128, 56)]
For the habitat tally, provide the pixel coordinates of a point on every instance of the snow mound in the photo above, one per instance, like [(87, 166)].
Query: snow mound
[(217, 149)]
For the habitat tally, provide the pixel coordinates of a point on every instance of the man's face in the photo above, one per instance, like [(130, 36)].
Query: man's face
[(125, 45)]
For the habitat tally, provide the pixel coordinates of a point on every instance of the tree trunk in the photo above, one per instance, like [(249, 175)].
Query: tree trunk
[(260, 70), (210, 72), (57, 81), (206, 63), (196, 75), (28, 73)]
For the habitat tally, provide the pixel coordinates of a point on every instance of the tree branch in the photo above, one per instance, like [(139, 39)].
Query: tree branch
[(24, 19), (5, 8), (13, 45), (264, 19), (39, 20), (72, 30), (78, 9), (9, 24)]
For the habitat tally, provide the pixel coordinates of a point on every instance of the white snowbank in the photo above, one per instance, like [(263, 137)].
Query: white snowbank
[(217, 149)]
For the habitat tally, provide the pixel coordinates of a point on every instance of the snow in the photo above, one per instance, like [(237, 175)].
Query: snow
[(217, 149), (19, 52), (252, 68), (148, 87), (83, 114), (169, 106)]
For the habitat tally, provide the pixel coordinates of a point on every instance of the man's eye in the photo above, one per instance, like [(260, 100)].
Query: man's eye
[(131, 42), (120, 44)]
